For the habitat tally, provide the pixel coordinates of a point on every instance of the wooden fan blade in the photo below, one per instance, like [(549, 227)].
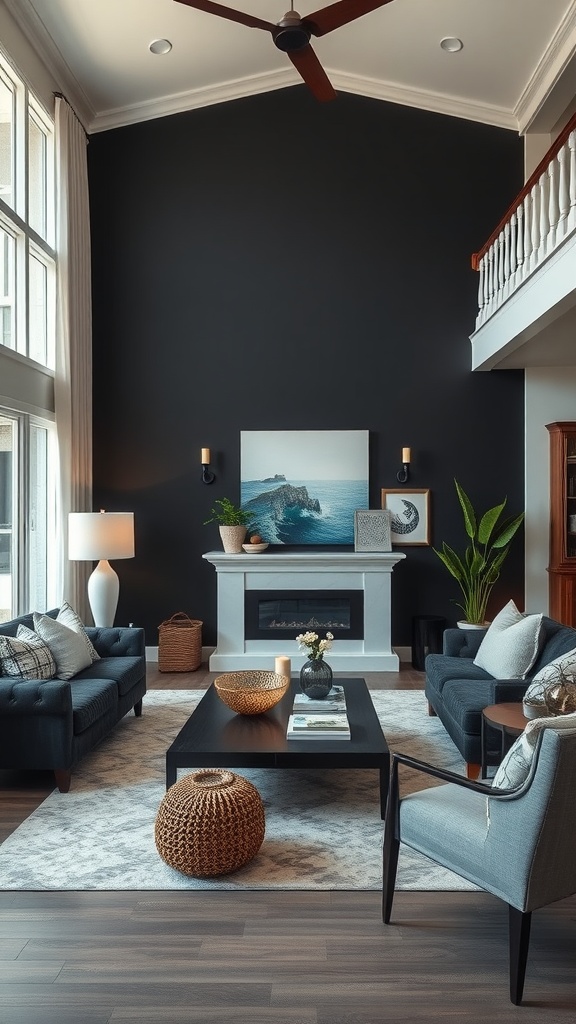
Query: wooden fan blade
[(309, 67), (340, 13), (229, 13)]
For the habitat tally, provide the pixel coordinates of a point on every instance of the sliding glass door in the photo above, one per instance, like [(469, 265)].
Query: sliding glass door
[(27, 514)]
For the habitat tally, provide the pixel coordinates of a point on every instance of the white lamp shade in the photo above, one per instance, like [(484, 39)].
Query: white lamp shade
[(96, 535)]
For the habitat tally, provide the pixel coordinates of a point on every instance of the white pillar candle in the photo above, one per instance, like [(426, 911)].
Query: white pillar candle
[(282, 666), (205, 456), (405, 455)]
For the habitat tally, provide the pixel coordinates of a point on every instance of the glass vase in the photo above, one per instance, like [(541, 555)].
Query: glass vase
[(316, 678)]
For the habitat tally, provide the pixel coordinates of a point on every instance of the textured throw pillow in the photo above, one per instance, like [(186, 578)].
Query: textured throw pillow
[(514, 768), (69, 618), (565, 663), (26, 656), (511, 644), (68, 648)]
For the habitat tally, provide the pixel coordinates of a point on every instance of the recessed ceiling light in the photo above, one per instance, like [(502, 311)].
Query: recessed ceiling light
[(451, 44), (160, 46)]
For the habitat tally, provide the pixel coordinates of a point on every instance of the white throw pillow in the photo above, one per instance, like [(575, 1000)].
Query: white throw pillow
[(565, 663), (514, 768), (68, 648), (69, 618), (511, 644), (26, 656)]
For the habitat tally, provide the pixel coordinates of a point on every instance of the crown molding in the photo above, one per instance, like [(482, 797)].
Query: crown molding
[(530, 110), (251, 85), (34, 30), (254, 84)]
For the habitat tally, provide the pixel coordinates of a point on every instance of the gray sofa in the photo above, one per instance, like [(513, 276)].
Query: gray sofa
[(52, 723), (457, 690)]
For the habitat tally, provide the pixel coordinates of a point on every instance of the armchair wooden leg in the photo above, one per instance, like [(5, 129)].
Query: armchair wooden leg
[(63, 778), (138, 708), (472, 771), (431, 711), (519, 939)]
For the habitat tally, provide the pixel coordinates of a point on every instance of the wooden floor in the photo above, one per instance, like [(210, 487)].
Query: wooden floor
[(268, 957)]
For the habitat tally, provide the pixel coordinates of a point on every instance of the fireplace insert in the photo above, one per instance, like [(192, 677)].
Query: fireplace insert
[(281, 614)]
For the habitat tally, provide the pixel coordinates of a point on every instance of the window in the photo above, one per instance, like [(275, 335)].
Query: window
[(27, 225), (27, 329)]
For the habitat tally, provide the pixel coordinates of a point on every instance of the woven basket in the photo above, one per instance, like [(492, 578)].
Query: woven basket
[(210, 823), (179, 644)]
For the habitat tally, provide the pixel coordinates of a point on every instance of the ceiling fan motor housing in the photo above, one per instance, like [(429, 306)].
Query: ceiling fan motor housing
[(290, 33)]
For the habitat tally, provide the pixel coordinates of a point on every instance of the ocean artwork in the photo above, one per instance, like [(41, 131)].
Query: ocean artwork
[(304, 486)]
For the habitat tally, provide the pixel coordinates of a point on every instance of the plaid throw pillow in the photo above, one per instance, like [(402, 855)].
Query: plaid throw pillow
[(26, 656)]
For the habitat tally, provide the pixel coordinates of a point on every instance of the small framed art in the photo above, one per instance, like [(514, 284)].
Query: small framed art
[(410, 515), (372, 530)]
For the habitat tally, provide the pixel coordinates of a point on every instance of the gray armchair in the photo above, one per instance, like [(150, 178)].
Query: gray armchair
[(519, 845)]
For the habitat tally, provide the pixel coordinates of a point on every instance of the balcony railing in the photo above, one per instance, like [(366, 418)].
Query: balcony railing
[(535, 225)]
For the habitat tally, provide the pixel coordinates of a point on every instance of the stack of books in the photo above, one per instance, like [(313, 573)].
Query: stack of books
[(319, 719)]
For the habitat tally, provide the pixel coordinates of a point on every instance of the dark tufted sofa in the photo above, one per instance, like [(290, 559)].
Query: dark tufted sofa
[(52, 723), (457, 690)]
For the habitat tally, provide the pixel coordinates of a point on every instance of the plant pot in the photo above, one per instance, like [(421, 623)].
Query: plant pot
[(472, 625), (232, 538)]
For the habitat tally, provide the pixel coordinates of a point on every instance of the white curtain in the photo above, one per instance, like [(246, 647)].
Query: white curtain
[(73, 380)]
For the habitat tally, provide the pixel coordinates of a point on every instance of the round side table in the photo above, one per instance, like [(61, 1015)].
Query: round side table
[(506, 719)]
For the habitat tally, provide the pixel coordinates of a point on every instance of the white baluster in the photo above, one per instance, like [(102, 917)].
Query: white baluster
[(513, 252), (506, 262), (481, 287), (563, 191), (534, 227), (490, 303), (553, 204), (544, 224), (520, 254), (572, 180), (500, 269), (527, 263)]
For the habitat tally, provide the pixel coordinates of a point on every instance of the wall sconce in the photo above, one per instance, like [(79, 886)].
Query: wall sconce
[(207, 474), (403, 474)]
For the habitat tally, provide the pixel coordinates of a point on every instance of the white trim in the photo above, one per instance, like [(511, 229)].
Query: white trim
[(547, 75)]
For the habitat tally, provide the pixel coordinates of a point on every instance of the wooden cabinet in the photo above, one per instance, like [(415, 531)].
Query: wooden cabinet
[(562, 564)]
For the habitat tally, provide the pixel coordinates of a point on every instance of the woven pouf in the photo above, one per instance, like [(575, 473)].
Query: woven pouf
[(210, 823)]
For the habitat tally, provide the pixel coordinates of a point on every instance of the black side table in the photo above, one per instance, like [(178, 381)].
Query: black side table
[(509, 721), (427, 634)]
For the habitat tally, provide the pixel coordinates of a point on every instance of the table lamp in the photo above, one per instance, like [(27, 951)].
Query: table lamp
[(101, 535)]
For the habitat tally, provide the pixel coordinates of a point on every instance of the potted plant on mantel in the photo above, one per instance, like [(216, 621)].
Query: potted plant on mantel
[(479, 567), (233, 521)]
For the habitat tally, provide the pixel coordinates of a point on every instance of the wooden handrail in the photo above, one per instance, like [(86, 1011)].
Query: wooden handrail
[(534, 177)]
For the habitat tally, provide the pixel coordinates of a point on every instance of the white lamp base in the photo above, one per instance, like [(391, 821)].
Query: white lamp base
[(103, 591)]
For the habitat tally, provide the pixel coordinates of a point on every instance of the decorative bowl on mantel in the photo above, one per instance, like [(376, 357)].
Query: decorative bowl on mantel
[(251, 691), (255, 549)]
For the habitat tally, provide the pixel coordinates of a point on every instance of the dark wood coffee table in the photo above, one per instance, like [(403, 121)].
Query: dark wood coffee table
[(216, 737)]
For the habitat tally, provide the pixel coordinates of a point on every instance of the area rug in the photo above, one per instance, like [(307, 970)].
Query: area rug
[(323, 827)]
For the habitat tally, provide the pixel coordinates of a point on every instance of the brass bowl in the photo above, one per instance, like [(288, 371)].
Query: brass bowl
[(252, 691)]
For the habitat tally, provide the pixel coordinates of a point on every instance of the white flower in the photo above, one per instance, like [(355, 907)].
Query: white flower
[(316, 647)]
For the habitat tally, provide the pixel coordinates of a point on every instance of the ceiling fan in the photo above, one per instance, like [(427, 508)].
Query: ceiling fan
[(292, 33)]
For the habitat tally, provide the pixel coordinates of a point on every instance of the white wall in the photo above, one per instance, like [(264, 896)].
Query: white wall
[(550, 395), (26, 60)]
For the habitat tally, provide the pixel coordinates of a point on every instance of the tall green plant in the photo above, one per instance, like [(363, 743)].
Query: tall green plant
[(479, 567)]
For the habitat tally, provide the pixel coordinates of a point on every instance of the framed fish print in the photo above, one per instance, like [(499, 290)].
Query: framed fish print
[(410, 515)]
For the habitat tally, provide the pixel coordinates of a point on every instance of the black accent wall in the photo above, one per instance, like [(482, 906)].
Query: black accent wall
[(278, 263)]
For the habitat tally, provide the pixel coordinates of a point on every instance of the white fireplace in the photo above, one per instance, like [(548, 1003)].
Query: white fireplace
[(304, 572)]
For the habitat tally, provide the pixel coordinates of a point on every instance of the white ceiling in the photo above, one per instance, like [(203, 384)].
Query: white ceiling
[(516, 53)]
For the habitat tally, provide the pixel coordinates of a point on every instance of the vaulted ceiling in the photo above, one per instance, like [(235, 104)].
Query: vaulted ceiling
[(516, 55)]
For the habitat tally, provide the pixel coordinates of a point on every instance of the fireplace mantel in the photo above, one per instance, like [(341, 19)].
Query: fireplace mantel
[(304, 571)]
